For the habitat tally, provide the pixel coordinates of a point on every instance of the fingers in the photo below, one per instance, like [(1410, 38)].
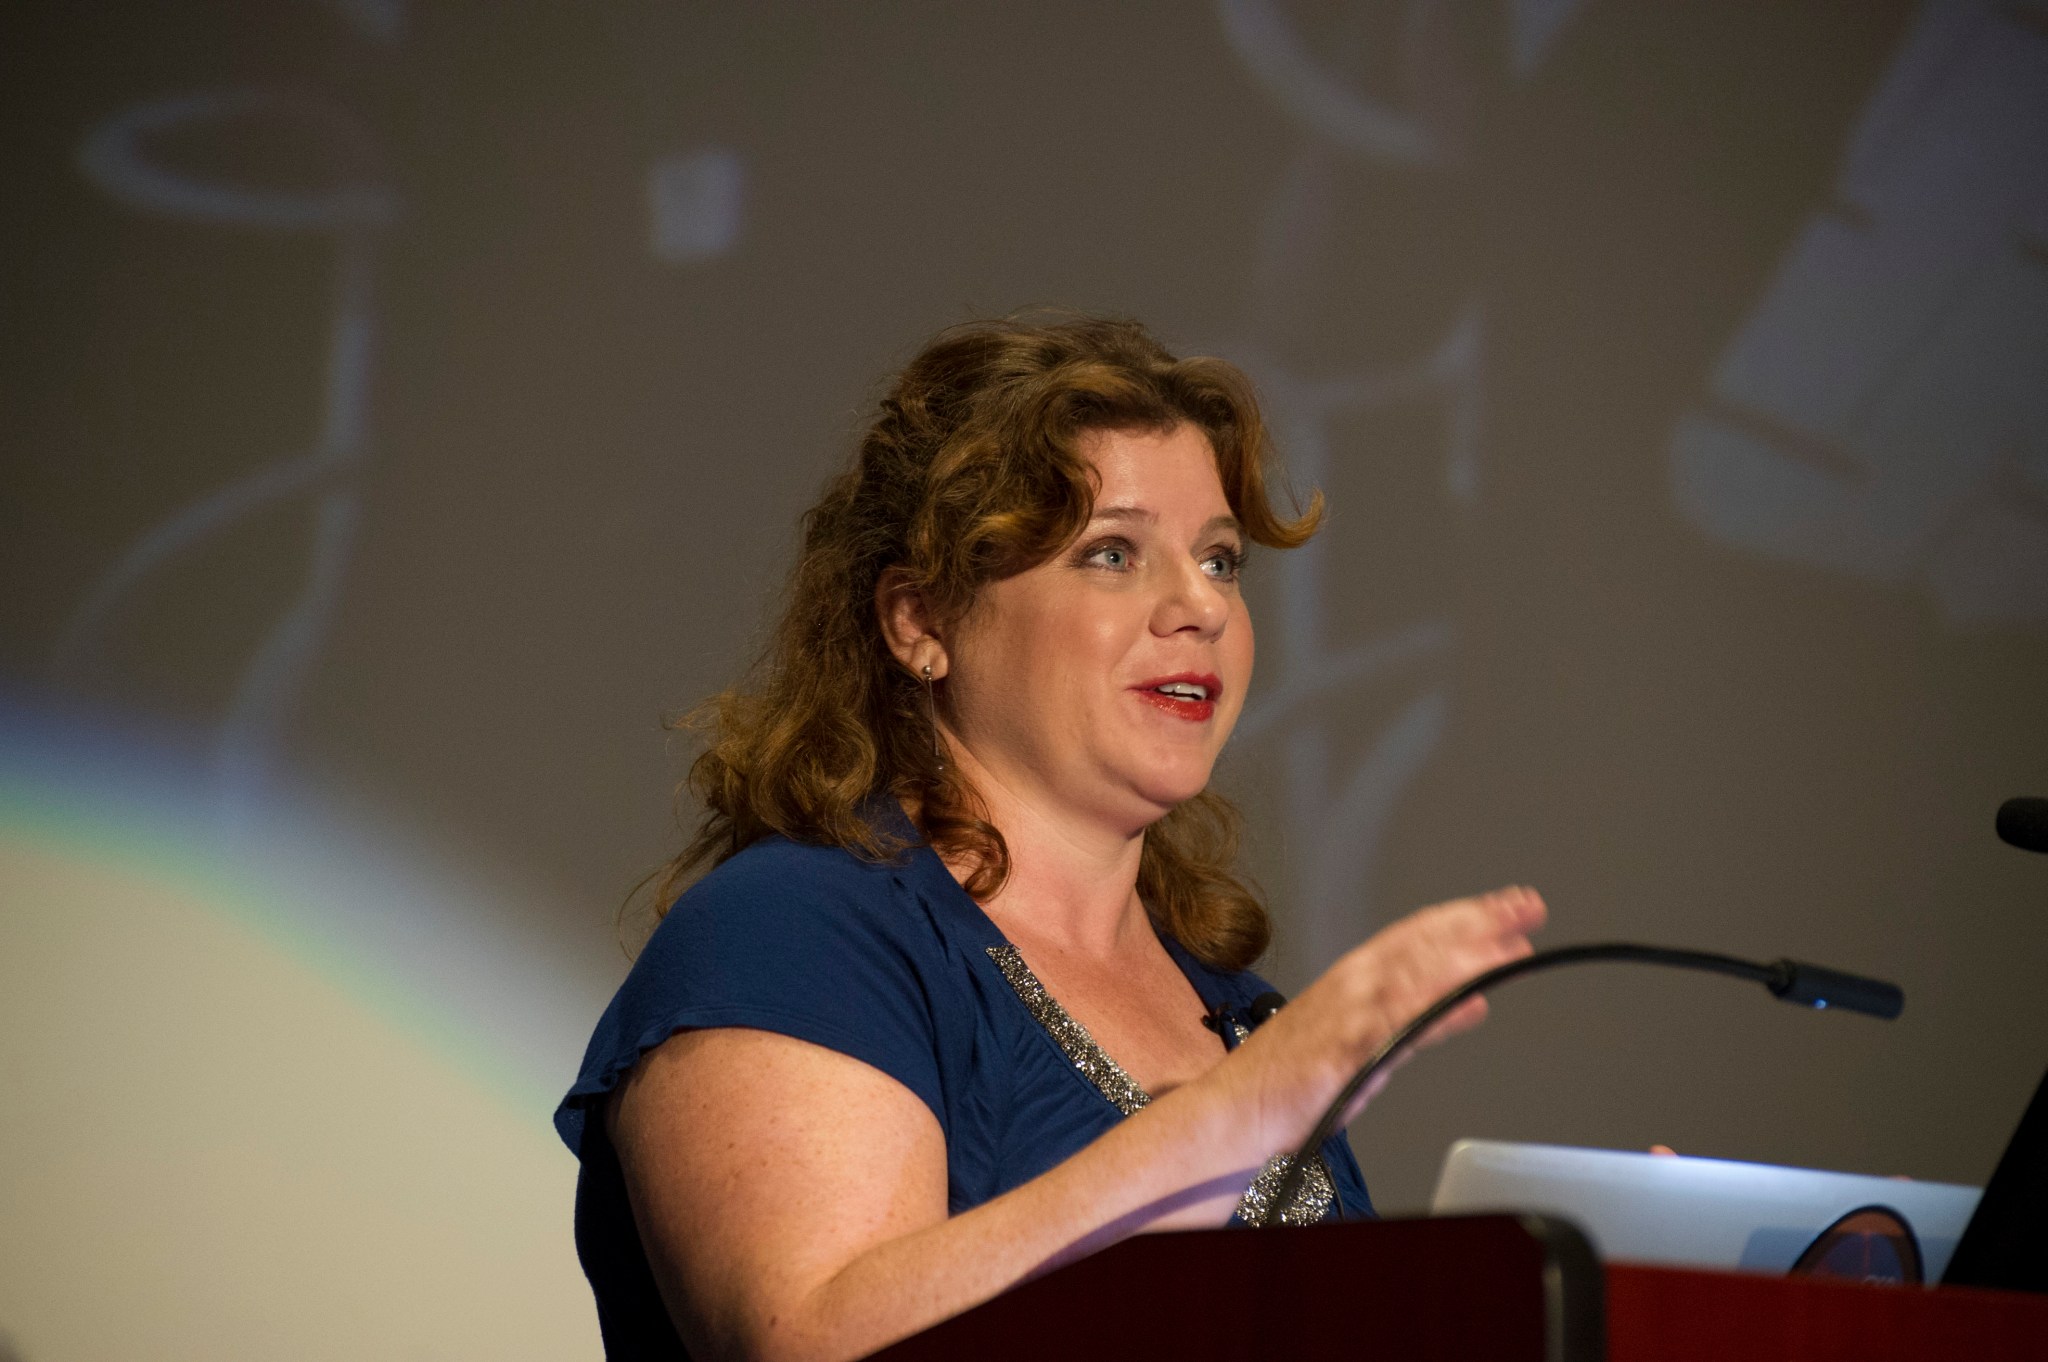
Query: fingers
[(1472, 935), (1517, 909), (1427, 954), (1313, 1045), (1506, 916)]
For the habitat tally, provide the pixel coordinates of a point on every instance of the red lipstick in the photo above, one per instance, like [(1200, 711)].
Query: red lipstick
[(1186, 695)]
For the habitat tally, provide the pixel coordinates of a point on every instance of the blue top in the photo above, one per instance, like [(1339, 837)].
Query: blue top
[(890, 963)]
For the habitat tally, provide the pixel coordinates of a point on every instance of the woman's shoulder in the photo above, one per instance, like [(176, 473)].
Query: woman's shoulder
[(814, 942), (780, 879), (797, 908)]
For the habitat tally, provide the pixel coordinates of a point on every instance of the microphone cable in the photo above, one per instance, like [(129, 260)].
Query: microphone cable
[(1793, 981)]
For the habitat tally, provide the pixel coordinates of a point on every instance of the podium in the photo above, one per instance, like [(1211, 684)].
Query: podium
[(1500, 1288)]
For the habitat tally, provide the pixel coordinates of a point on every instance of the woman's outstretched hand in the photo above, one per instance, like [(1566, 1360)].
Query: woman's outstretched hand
[(1296, 1063), (715, 1128)]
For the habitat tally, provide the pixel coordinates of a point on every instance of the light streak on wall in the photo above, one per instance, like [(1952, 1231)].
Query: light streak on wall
[(283, 1089)]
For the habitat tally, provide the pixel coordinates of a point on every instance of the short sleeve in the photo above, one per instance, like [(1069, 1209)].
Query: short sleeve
[(805, 941)]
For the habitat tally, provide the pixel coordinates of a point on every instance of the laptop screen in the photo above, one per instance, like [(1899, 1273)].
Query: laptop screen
[(2003, 1246)]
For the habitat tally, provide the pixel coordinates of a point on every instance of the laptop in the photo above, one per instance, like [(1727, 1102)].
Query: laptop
[(1750, 1217), (1680, 1211), (2003, 1246)]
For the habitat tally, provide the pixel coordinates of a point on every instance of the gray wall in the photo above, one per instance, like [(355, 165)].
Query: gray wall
[(406, 406)]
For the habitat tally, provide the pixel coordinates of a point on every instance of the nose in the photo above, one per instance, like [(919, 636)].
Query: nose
[(1191, 600)]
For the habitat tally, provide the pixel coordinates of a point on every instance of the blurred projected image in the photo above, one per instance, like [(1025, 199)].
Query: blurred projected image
[(1882, 412), (271, 1092)]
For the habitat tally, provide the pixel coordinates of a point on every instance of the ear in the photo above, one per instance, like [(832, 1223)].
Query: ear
[(907, 625)]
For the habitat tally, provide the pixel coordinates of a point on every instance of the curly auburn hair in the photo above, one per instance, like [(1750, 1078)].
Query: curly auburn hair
[(971, 471)]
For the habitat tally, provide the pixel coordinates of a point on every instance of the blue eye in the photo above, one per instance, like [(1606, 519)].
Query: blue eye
[(1224, 564), (1116, 556)]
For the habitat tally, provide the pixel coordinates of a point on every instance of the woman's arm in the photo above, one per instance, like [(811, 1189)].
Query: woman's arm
[(793, 1199)]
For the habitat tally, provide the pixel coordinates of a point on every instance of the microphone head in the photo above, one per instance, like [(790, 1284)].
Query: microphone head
[(1818, 986), (2024, 823)]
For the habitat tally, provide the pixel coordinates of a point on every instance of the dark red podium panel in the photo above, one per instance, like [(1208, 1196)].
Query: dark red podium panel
[(1499, 1288), (1504, 1288), (1659, 1314)]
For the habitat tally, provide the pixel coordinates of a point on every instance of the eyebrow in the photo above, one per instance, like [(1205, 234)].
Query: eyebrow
[(1139, 513)]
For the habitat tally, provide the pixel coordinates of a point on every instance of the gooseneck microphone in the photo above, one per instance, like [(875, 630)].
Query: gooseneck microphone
[(1792, 980), (2024, 823)]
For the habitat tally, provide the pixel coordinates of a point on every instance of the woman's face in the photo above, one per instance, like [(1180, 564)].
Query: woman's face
[(1106, 679)]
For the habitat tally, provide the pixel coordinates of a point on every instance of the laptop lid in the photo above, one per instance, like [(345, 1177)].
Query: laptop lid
[(1694, 1212), (2003, 1246)]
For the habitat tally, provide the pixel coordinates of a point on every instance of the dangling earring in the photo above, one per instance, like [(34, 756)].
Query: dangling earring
[(931, 712)]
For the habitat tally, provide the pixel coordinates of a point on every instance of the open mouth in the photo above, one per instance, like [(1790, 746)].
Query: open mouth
[(1185, 697)]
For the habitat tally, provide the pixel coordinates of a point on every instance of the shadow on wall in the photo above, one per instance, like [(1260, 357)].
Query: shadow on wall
[(273, 1094)]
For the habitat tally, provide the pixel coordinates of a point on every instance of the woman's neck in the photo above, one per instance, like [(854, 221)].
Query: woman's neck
[(1073, 881)]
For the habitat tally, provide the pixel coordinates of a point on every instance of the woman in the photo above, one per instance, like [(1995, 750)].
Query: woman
[(966, 994)]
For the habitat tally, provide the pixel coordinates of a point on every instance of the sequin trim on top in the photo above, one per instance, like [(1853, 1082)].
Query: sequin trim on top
[(1310, 1205), (1075, 1043)]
